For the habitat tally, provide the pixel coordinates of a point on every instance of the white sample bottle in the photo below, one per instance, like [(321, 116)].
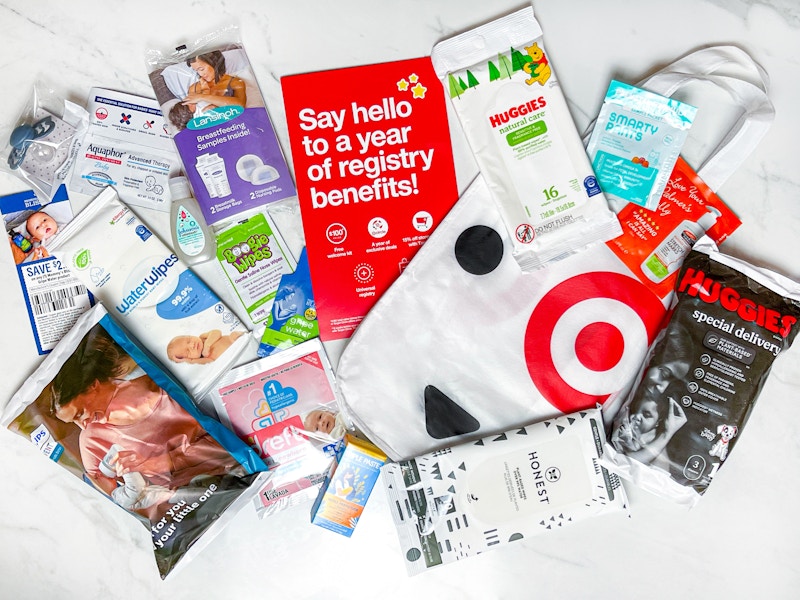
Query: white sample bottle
[(669, 254), (192, 239)]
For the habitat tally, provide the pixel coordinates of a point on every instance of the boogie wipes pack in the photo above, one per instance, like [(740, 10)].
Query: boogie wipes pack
[(730, 322)]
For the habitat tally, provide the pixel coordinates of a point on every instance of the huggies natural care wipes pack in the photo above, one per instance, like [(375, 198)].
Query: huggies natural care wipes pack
[(518, 124)]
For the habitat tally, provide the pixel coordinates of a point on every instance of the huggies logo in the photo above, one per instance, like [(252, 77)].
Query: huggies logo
[(698, 285)]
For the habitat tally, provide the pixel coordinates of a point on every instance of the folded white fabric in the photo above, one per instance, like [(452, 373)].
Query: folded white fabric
[(465, 344)]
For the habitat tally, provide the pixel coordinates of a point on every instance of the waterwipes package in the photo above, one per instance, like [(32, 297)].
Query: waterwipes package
[(101, 409), (467, 499), (152, 293), (516, 118), (127, 146), (635, 143), (214, 110)]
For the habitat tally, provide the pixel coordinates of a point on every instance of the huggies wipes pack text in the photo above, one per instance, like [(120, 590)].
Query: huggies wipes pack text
[(520, 129), (146, 287)]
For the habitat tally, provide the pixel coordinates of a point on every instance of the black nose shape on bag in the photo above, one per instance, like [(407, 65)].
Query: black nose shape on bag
[(479, 249), (444, 418)]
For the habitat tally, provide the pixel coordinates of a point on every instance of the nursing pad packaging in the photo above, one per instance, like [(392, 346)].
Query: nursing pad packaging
[(729, 324), (127, 146), (151, 292), (40, 146), (635, 142), (466, 344), (102, 410), (516, 119), (467, 499), (216, 114), (375, 176), (286, 408)]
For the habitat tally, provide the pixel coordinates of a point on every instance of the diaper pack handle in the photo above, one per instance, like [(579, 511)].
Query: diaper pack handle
[(716, 65), (706, 65)]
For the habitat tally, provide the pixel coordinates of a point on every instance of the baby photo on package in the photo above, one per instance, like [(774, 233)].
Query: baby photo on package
[(285, 406), (54, 297), (105, 412)]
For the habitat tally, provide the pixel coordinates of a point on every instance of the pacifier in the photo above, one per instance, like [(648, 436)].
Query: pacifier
[(22, 138)]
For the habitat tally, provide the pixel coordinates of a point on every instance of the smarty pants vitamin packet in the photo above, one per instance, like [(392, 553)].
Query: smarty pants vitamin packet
[(517, 122), (730, 322), (101, 409), (151, 292), (473, 497), (635, 142)]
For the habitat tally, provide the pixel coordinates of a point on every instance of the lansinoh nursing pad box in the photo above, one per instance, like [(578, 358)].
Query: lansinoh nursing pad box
[(464, 500), (151, 292)]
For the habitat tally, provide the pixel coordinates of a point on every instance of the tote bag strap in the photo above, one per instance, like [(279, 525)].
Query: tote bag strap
[(749, 92)]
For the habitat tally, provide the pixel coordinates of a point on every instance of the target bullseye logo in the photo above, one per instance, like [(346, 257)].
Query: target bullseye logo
[(587, 336)]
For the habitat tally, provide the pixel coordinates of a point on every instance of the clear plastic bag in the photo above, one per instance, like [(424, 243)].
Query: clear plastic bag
[(41, 143)]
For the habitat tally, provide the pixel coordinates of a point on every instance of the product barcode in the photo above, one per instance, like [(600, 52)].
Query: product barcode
[(54, 300)]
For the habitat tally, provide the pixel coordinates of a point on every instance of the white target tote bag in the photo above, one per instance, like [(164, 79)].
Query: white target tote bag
[(464, 344)]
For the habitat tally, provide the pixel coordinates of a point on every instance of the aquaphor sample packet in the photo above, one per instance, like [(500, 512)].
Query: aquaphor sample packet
[(151, 292), (730, 322), (516, 118), (467, 499), (215, 111), (127, 146), (105, 412), (635, 142)]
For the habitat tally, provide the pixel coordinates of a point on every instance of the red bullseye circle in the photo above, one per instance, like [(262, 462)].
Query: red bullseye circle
[(599, 346), (592, 341)]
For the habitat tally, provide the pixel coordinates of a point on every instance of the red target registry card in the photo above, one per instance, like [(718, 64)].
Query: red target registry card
[(374, 173)]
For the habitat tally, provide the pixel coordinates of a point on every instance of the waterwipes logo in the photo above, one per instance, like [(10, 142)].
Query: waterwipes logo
[(143, 281), (215, 116)]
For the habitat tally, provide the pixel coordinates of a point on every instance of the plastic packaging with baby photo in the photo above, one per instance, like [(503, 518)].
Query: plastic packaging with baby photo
[(216, 114), (151, 292), (730, 322), (100, 408), (286, 407)]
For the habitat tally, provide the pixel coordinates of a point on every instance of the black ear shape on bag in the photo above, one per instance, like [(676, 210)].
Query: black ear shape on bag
[(444, 418), (479, 249)]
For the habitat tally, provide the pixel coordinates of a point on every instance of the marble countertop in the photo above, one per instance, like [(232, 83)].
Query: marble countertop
[(742, 540)]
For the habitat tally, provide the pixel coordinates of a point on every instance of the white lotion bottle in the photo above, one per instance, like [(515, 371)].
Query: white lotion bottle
[(192, 239), (669, 254)]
